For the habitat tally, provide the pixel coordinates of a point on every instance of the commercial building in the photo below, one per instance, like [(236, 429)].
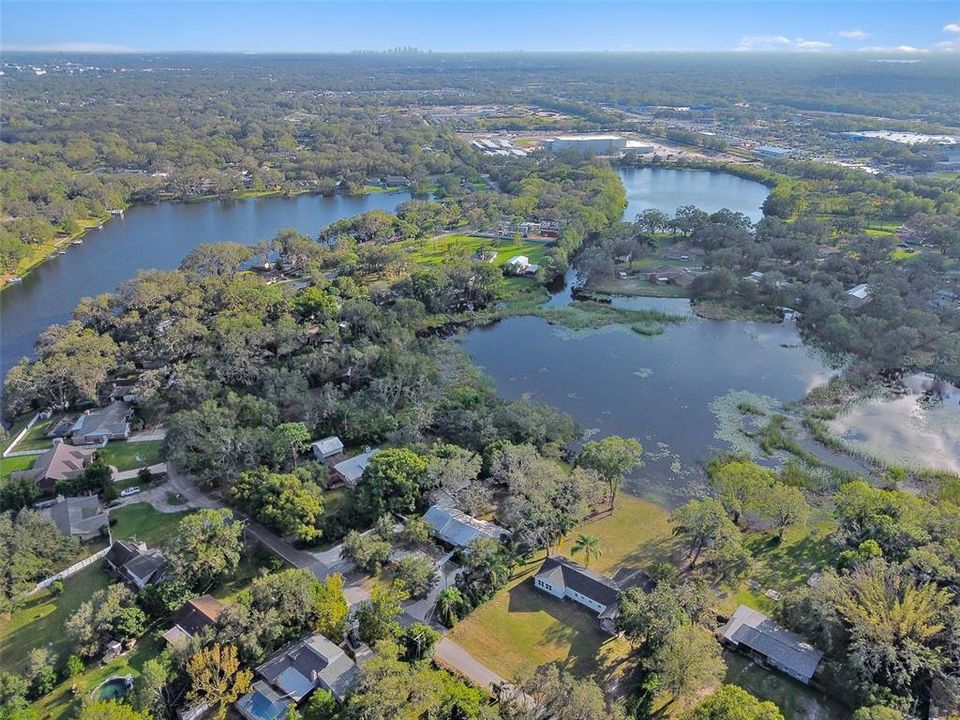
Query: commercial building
[(589, 144), (770, 151)]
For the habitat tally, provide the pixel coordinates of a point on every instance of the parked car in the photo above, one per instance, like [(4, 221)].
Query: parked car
[(132, 490)]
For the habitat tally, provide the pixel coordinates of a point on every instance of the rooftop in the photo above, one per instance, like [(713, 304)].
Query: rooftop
[(299, 668), (459, 529), (352, 468), (78, 515), (754, 630), (563, 572)]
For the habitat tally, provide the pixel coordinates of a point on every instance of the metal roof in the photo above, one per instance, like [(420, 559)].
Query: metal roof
[(754, 630), (459, 529), (562, 572)]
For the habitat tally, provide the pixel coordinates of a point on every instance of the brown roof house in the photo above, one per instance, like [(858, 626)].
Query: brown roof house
[(135, 564), (193, 617), (61, 462), (79, 517)]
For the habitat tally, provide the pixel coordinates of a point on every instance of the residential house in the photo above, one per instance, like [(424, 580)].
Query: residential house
[(97, 426), (327, 447), (79, 517), (521, 265), (61, 462), (135, 564), (263, 703), (458, 529), (754, 633), (193, 617), (563, 578), (295, 671), (350, 470), (857, 296)]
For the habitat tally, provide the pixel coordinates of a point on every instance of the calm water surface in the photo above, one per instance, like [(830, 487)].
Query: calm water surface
[(656, 389), (155, 237), (667, 189)]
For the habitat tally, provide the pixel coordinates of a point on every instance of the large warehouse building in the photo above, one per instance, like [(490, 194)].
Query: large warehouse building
[(591, 144)]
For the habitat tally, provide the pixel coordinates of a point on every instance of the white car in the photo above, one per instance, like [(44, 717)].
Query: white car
[(133, 490)]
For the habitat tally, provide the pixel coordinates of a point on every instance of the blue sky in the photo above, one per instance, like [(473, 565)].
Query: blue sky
[(907, 26)]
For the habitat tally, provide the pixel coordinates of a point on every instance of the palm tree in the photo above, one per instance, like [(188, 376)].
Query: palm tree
[(590, 546), (449, 604)]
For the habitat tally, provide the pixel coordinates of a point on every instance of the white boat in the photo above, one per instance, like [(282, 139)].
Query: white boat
[(78, 241)]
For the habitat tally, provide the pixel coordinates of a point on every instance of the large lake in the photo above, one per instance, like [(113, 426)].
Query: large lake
[(155, 237), (667, 189), (673, 392)]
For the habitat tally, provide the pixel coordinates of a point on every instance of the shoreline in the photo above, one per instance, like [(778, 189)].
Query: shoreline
[(42, 252)]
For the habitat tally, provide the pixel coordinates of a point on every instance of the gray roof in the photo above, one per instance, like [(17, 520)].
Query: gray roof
[(754, 630), (313, 661), (328, 446), (109, 421), (562, 572), (459, 529), (78, 515), (352, 468)]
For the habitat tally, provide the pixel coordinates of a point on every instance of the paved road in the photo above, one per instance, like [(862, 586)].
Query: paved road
[(448, 653)]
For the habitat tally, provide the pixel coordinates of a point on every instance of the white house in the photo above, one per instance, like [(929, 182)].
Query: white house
[(327, 447), (563, 578)]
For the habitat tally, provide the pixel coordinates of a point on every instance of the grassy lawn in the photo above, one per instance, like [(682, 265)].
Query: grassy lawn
[(521, 628), (15, 464), (637, 287), (39, 623), (62, 703), (144, 523), (36, 439), (783, 566), (796, 701), (444, 248), (129, 455)]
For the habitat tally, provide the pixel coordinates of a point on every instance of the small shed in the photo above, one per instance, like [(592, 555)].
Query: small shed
[(327, 447)]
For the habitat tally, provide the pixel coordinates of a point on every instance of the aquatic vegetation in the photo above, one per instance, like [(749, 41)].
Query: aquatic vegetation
[(643, 372)]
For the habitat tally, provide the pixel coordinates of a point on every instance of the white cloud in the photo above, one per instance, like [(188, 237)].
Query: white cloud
[(952, 28), (779, 42), (77, 47), (854, 34), (906, 49)]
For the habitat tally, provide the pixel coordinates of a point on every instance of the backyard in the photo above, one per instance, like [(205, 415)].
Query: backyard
[(444, 248), (521, 628), (125, 455)]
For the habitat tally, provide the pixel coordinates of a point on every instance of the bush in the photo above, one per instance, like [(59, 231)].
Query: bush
[(417, 573), (73, 667), (367, 551)]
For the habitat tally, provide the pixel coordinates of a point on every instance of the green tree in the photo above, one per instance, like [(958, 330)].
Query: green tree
[(377, 617), (206, 547), (280, 501), (110, 614), (706, 527), (612, 457), (740, 484), (332, 609), (152, 691), (322, 705), (418, 642), (688, 660), (368, 550), (417, 573), (730, 702), (287, 441), (784, 506), (450, 606), (391, 483), (647, 619), (73, 667), (589, 545), (40, 671)]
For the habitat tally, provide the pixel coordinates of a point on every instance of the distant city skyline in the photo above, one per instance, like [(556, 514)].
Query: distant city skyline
[(907, 28)]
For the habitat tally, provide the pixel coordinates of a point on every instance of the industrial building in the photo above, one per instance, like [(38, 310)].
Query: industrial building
[(770, 151), (590, 144)]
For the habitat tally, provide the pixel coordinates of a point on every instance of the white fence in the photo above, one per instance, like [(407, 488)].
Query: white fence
[(9, 451), (73, 569)]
